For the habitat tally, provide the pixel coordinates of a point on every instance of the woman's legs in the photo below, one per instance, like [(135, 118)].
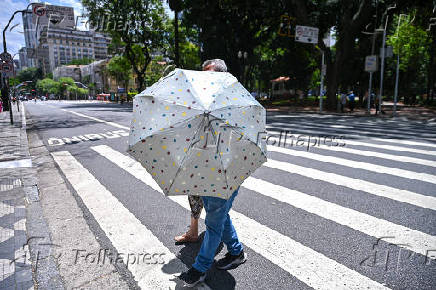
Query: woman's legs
[(191, 235)]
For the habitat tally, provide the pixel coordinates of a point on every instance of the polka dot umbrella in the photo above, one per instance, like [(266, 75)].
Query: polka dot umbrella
[(198, 133)]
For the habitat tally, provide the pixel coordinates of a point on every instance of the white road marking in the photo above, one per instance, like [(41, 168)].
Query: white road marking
[(16, 163), (388, 147), (345, 149), (295, 258), (357, 184), (416, 241), (359, 143), (385, 133), (124, 230), (98, 120), (357, 164)]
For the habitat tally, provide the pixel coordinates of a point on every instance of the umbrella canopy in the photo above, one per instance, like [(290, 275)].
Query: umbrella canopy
[(198, 133)]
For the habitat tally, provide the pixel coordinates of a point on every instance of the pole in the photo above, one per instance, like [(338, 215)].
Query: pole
[(322, 81), (382, 64), (397, 76), (5, 90), (370, 74), (176, 38)]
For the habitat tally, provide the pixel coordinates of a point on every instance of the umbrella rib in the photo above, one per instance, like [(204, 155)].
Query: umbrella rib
[(184, 158)]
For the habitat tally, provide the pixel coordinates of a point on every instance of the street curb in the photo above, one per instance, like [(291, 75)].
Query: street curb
[(44, 267)]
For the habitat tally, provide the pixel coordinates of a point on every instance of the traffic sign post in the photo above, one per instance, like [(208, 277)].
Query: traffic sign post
[(371, 63), (39, 10), (306, 34)]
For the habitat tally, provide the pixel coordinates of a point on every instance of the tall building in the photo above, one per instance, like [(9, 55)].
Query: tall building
[(52, 40), (22, 53), (52, 16), (59, 46)]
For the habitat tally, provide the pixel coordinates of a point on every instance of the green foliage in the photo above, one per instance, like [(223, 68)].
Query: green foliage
[(66, 84), (30, 74), (81, 61), (155, 70), (119, 68), (411, 43), (136, 25), (48, 86)]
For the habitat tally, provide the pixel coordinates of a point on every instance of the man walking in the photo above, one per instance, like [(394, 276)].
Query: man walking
[(219, 228)]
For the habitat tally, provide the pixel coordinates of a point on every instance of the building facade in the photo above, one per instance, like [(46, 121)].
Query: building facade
[(61, 46), (52, 40)]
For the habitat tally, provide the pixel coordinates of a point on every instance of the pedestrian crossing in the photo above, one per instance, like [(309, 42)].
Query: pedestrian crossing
[(316, 268), (281, 250)]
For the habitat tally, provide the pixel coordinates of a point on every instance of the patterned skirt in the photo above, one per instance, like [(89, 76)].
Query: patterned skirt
[(196, 204)]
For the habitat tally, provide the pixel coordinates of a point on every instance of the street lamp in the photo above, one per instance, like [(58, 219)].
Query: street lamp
[(5, 84), (383, 54), (398, 68)]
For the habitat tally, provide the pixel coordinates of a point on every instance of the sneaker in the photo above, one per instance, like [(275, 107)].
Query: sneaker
[(231, 261), (192, 277)]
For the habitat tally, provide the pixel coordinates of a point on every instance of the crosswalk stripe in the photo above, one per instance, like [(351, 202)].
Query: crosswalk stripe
[(416, 241), (295, 258), (357, 184), (385, 131), (127, 234), (397, 158), (366, 132), (357, 164), (359, 143)]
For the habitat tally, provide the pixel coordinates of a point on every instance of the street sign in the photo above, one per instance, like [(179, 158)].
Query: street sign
[(5, 56), (371, 63), (388, 51), (306, 34), (7, 69), (39, 10), (324, 69)]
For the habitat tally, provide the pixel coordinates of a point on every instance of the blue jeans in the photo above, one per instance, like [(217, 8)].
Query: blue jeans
[(219, 228)]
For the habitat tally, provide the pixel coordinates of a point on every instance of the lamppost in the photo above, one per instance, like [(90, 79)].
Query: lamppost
[(398, 68), (242, 56), (5, 84), (382, 66)]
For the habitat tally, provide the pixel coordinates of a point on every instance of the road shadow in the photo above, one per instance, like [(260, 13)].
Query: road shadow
[(215, 279)]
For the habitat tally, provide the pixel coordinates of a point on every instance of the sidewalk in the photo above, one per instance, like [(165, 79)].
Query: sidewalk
[(409, 112), (24, 241), (15, 179)]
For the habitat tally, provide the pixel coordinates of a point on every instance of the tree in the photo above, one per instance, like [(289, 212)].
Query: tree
[(119, 68), (66, 84), (48, 86), (32, 74), (411, 42), (137, 24)]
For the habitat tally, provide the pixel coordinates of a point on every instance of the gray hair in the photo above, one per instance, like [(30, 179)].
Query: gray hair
[(218, 64)]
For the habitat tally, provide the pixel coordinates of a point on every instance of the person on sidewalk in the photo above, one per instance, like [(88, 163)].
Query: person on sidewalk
[(219, 227), (351, 99), (195, 202), (343, 102)]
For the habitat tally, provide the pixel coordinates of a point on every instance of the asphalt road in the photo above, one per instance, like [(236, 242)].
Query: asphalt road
[(358, 210)]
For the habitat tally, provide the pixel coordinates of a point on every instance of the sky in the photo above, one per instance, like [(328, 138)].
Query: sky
[(15, 38)]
